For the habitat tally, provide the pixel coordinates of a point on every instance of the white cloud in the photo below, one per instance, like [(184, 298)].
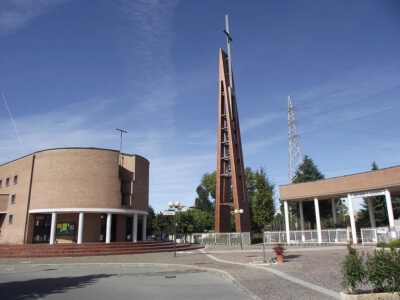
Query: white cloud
[(16, 14)]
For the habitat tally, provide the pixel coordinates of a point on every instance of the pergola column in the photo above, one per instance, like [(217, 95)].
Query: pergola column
[(371, 210), (286, 207), (134, 228), (80, 227), (144, 227), (390, 212), (53, 228), (318, 219), (108, 228), (334, 215), (352, 220), (303, 237)]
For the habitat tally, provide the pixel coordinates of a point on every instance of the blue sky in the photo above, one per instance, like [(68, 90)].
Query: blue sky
[(74, 71)]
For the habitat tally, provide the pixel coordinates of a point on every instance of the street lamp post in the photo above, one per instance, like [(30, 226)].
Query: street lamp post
[(174, 206), (238, 212)]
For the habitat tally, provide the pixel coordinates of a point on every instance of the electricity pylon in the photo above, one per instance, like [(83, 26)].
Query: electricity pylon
[(293, 139)]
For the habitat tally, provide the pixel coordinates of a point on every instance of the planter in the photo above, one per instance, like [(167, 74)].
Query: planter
[(280, 258), (370, 296)]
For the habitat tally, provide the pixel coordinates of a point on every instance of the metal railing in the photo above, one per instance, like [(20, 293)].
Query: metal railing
[(229, 238), (379, 235), (332, 236)]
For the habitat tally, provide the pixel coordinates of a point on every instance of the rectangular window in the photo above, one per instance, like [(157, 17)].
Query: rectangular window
[(1, 183), (15, 179), (7, 181), (10, 219), (13, 199)]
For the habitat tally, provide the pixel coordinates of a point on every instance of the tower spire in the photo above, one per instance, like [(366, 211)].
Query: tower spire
[(294, 150), (230, 181)]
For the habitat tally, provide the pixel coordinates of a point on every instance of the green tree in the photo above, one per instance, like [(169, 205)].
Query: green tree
[(308, 171), (262, 208), (380, 207), (162, 224), (209, 183), (150, 221), (202, 202)]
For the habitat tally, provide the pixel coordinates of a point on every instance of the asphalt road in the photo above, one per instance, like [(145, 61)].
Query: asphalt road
[(115, 282)]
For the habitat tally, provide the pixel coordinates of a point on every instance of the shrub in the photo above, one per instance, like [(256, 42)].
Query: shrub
[(256, 241), (382, 245), (394, 243), (381, 270), (353, 270)]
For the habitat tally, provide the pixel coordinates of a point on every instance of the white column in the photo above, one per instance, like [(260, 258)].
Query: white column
[(53, 228), (134, 228), (390, 211), (352, 221), (371, 210), (108, 228), (144, 227), (334, 215), (285, 205), (318, 219), (80, 227), (303, 237)]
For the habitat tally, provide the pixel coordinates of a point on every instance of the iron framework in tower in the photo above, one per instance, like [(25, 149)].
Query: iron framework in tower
[(293, 139), (230, 182)]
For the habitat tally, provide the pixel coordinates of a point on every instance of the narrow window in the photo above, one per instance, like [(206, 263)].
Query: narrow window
[(10, 219), (13, 199), (7, 181), (15, 179), (1, 183)]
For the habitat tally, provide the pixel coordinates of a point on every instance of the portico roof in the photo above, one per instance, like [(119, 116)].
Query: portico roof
[(367, 183)]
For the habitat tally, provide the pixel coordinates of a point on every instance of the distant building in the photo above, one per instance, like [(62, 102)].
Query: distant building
[(77, 195)]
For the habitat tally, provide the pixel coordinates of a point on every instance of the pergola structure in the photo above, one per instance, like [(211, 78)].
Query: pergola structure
[(363, 185)]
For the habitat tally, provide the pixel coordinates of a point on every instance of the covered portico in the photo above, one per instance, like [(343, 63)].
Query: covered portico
[(363, 185), (91, 226)]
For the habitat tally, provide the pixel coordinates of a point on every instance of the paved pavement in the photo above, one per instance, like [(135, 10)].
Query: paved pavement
[(308, 272)]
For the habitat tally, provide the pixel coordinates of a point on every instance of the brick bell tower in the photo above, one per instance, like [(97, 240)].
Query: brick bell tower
[(231, 193)]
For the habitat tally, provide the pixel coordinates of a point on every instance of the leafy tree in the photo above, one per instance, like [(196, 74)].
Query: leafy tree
[(306, 172), (162, 224), (262, 207), (209, 183), (380, 207), (250, 182), (195, 221), (150, 221), (202, 202)]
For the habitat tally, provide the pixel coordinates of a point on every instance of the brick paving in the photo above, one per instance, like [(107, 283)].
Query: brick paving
[(305, 271)]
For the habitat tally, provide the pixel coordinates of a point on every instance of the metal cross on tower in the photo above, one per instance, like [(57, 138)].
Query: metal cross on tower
[(231, 186), (294, 150)]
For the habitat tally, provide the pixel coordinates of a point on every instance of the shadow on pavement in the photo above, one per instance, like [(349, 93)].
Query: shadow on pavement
[(35, 288)]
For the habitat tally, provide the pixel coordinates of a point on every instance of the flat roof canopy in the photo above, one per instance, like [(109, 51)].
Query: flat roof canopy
[(364, 184)]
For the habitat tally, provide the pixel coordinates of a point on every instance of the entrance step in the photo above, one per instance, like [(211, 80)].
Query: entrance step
[(90, 249)]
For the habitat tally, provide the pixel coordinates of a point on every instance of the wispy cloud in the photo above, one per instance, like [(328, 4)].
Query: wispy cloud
[(72, 126), (15, 14), (257, 121)]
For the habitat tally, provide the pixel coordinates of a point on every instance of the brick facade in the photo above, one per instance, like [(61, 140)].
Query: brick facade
[(67, 182)]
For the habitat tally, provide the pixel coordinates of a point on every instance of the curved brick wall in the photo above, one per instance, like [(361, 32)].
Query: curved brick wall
[(76, 178)]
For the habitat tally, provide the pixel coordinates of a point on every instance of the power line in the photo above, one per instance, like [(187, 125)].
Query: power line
[(352, 120), (354, 145), (351, 85), (346, 105)]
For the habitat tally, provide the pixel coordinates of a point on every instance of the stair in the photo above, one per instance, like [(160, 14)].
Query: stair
[(90, 249)]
